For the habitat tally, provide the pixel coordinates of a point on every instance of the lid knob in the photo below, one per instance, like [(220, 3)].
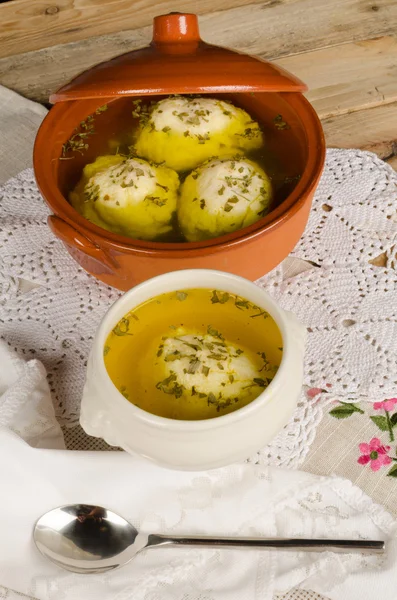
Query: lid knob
[(176, 27)]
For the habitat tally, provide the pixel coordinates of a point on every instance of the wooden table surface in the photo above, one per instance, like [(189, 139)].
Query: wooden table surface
[(345, 50)]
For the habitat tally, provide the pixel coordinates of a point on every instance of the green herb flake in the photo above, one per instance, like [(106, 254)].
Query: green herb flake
[(218, 297), (239, 303), (202, 138), (221, 190), (250, 132), (293, 179), (156, 200), (219, 403), (260, 382), (176, 355), (78, 141), (166, 128), (127, 185), (101, 109), (214, 297), (205, 370), (181, 296), (106, 350), (178, 390), (220, 346), (170, 386), (214, 332), (194, 365), (216, 357), (122, 327), (194, 347), (279, 123), (262, 313), (231, 378)]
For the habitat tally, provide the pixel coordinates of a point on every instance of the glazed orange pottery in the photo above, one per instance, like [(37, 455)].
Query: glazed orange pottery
[(179, 62)]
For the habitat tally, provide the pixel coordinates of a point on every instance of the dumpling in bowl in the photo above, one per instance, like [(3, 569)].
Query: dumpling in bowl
[(128, 196), (184, 132), (222, 196)]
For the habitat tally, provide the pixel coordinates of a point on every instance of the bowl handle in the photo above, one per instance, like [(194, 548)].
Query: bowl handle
[(70, 236)]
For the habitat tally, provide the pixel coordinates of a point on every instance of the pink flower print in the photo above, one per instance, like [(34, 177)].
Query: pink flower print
[(313, 392), (375, 453), (386, 404)]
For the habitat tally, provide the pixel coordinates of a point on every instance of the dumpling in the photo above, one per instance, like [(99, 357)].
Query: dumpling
[(128, 196), (222, 196), (228, 374), (184, 132)]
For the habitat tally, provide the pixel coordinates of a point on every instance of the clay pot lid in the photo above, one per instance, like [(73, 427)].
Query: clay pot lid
[(178, 62)]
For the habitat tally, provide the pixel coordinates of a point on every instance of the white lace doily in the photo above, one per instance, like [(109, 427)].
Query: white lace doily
[(353, 218), (347, 303)]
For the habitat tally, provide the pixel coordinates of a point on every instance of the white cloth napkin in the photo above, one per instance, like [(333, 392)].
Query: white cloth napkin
[(242, 500), (19, 121), (25, 401)]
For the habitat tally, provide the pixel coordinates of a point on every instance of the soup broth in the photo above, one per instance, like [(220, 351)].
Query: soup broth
[(112, 131), (193, 354)]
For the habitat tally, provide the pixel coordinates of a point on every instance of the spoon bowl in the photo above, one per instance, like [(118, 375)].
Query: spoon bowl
[(83, 538)]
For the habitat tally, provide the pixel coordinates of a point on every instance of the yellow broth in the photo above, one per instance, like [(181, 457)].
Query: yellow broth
[(164, 355), (113, 130)]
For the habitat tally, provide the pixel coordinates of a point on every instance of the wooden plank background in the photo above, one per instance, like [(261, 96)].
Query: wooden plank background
[(346, 50)]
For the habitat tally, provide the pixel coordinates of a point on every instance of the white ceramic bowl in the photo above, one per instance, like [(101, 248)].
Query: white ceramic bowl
[(193, 445)]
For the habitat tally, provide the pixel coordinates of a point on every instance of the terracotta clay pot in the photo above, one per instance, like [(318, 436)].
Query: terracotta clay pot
[(177, 61)]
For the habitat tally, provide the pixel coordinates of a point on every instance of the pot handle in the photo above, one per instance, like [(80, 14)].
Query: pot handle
[(70, 236)]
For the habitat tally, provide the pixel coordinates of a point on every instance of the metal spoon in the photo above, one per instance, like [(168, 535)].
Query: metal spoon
[(90, 539)]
